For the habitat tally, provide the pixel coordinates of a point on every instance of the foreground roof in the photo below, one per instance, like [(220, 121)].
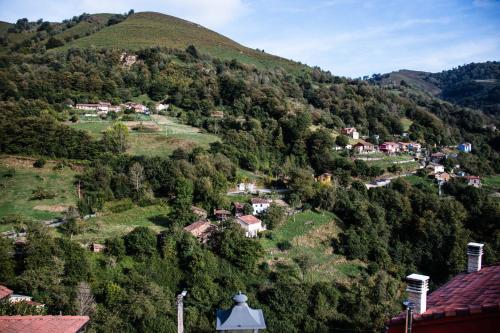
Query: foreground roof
[(5, 292), (465, 294), (240, 317), (42, 324)]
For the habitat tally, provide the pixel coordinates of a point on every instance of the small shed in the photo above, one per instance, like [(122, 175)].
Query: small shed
[(240, 318)]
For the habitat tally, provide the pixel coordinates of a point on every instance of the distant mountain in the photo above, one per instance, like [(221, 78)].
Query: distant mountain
[(143, 30), (476, 85)]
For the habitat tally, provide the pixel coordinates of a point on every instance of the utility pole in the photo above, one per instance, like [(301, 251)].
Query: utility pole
[(180, 311)]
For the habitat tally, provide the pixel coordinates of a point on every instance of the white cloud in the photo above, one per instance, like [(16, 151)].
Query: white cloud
[(211, 13)]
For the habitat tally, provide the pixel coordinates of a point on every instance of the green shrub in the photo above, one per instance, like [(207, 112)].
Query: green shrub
[(40, 163)]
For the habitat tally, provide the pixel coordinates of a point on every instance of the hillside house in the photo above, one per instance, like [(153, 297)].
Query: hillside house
[(473, 181), (200, 212), (435, 168), (161, 107), (137, 107), (251, 225), (102, 107), (442, 177), (363, 147), (350, 132), (201, 229), (43, 324), (414, 147), (337, 148), (5, 292), (246, 187), (260, 205), (404, 147), (221, 214), (239, 208), (325, 178), (438, 157), (95, 247), (469, 302), (389, 147), (465, 147)]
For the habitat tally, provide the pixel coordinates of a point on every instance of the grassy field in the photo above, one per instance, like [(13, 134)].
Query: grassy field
[(170, 136), (117, 224), (491, 182), (387, 161), (16, 191), (310, 234), (406, 124), (149, 29)]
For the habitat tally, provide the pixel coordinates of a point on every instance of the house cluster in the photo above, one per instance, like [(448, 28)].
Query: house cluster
[(105, 107), (247, 219), (437, 170)]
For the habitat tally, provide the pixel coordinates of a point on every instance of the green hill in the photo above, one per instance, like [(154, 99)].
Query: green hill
[(150, 29)]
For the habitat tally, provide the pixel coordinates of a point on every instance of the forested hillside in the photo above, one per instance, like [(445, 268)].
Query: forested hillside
[(336, 263)]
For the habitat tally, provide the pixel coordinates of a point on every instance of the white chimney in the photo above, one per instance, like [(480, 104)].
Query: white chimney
[(417, 288), (474, 256)]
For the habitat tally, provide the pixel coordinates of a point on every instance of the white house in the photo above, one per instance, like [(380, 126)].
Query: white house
[(251, 225), (260, 205), (246, 187), (435, 168)]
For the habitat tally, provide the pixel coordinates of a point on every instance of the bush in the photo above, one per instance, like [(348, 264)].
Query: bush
[(12, 219), (40, 163), (122, 206), (284, 245), (41, 194)]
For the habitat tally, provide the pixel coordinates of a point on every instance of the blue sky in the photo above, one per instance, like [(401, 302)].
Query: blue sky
[(347, 37)]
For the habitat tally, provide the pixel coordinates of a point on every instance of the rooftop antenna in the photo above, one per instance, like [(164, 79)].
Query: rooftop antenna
[(180, 311)]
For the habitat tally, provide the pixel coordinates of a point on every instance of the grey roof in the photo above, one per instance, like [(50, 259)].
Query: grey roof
[(240, 316)]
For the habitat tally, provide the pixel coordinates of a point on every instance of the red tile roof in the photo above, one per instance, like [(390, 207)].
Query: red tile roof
[(42, 324), (259, 201), (249, 219), (5, 292), (465, 294), (197, 226)]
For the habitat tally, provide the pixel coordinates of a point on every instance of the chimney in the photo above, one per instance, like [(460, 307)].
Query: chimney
[(474, 256), (417, 291)]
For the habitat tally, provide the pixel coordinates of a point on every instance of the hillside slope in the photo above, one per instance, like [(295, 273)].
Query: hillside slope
[(476, 85), (149, 29)]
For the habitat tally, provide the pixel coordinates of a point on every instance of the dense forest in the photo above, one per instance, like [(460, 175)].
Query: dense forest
[(277, 123)]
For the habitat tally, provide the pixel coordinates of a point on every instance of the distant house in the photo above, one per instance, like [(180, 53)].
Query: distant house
[(435, 168), (95, 247), (161, 107), (239, 208), (137, 107), (251, 225), (246, 187), (201, 229), (465, 147), (350, 132), (200, 212), (43, 324), (5, 292), (404, 147), (438, 157), (16, 298), (381, 182), (325, 178), (442, 177), (259, 205), (103, 107), (415, 147), (363, 147), (337, 148), (389, 147), (473, 181), (221, 214)]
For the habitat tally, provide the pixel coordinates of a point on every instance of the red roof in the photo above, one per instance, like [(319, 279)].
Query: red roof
[(5, 292), (465, 294), (197, 225), (472, 177), (42, 324), (249, 219)]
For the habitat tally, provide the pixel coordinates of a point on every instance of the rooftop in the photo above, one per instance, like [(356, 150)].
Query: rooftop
[(5, 292), (249, 219), (259, 201), (465, 294), (42, 324), (201, 224)]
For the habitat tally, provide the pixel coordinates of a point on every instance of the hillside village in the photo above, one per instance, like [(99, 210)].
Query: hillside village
[(156, 176)]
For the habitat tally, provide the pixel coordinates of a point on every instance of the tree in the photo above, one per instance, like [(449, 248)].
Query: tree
[(140, 242), (192, 51), (342, 140), (274, 216), (115, 138), (136, 176), (53, 43), (84, 300)]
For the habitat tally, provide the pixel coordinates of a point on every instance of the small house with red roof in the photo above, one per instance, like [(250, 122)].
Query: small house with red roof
[(221, 214), (251, 225), (389, 147), (43, 324), (473, 181), (363, 147), (201, 229), (239, 208), (5, 292), (260, 205), (469, 302), (350, 132)]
